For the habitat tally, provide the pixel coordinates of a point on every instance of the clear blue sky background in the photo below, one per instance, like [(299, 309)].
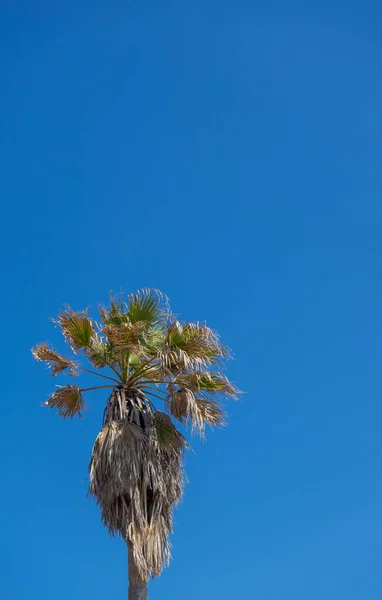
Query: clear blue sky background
[(229, 153)]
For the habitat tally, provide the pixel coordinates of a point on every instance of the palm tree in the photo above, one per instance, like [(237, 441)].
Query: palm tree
[(145, 356)]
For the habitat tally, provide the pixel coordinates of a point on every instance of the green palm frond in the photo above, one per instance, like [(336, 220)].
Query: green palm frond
[(76, 327), (55, 362), (145, 372), (134, 360), (154, 340), (116, 314), (68, 400), (199, 343), (100, 353), (168, 435), (148, 306), (217, 383)]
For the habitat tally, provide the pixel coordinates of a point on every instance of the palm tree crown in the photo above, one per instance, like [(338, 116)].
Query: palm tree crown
[(144, 355)]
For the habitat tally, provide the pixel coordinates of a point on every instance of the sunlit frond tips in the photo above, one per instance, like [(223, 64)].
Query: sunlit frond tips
[(76, 327), (55, 362), (148, 306)]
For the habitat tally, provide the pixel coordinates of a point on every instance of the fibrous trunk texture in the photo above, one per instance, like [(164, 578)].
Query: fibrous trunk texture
[(136, 480)]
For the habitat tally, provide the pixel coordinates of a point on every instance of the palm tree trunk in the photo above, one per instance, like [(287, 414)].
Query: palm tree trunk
[(138, 589)]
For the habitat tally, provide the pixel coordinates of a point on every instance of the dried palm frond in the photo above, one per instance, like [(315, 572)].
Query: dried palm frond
[(126, 336), (76, 327), (55, 362), (210, 382), (211, 412), (68, 400), (195, 410), (183, 406), (137, 479), (181, 402), (173, 360)]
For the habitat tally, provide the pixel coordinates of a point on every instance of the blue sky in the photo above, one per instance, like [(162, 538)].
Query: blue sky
[(228, 153)]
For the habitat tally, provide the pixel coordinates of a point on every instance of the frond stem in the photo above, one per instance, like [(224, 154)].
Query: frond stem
[(100, 374), (97, 387), (158, 382), (149, 387), (156, 396), (114, 370), (143, 366)]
